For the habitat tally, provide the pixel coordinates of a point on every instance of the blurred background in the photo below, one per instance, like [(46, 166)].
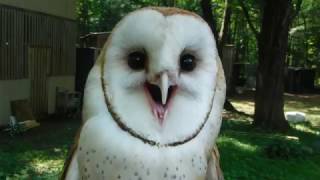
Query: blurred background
[(270, 50)]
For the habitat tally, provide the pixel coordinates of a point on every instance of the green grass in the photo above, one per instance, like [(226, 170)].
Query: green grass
[(243, 157), (242, 147), (40, 152)]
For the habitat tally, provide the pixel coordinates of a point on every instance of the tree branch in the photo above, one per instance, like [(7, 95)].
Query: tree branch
[(224, 30), (247, 16)]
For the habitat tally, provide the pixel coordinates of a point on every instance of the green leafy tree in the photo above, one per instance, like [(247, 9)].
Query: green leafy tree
[(255, 29)]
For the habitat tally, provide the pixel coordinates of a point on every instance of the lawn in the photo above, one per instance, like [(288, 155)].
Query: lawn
[(242, 148), (243, 154), (40, 152)]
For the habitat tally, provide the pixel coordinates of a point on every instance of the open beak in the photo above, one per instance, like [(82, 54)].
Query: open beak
[(159, 96)]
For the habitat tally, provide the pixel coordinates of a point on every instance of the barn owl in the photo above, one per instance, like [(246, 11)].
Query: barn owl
[(152, 102)]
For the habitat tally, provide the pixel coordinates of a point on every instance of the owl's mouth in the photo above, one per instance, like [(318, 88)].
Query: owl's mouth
[(154, 96)]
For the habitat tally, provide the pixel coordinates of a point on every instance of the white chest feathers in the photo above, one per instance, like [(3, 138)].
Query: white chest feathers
[(123, 157)]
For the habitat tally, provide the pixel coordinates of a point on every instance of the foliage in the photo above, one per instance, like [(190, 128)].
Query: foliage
[(241, 35), (102, 15), (304, 41), (287, 149)]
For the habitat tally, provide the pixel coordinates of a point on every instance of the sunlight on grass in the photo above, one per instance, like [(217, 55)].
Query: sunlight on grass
[(227, 140), (315, 109), (310, 105), (243, 155), (307, 129), (312, 113), (244, 106), (46, 166), (35, 164)]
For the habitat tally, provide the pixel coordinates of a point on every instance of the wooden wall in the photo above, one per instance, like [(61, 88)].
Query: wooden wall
[(21, 29)]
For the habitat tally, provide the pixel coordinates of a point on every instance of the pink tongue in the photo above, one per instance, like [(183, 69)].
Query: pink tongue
[(159, 111)]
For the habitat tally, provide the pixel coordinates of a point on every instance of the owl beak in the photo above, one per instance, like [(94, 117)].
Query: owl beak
[(164, 87), (159, 94)]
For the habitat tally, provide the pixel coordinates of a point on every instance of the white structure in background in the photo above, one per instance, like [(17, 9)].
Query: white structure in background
[(295, 117), (37, 52)]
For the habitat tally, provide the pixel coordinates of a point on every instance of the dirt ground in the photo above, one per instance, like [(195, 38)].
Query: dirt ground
[(306, 103)]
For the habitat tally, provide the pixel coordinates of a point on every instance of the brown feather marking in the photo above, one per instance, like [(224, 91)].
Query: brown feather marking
[(169, 11), (70, 155), (216, 158)]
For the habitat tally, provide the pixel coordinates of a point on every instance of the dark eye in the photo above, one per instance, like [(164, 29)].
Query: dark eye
[(136, 60), (187, 62)]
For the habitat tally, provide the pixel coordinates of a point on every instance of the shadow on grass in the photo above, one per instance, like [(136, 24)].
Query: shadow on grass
[(243, 156), (38, 153), (304, 131)]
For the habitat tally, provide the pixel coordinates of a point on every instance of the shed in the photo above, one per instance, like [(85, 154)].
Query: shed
[(37, 52)]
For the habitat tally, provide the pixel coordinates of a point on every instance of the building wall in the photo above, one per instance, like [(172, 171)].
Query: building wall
[(24, 30), (12, 90), (62, 8), (28, 36)]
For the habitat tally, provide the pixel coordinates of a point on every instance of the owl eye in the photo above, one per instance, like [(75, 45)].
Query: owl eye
[(136, 60), (187, 62)]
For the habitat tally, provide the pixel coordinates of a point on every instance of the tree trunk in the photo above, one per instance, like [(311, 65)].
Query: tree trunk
[(224, 30), (208, 16), (272, 44)]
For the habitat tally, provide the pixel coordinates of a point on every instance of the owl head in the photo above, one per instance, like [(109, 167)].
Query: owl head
[(158, 76)]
